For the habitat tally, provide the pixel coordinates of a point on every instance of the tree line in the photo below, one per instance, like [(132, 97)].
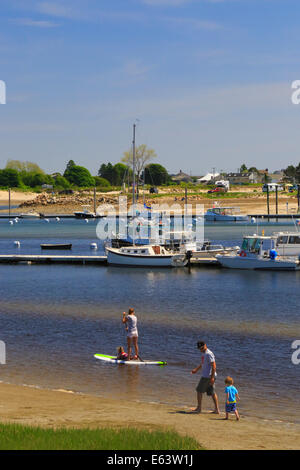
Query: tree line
[(18, 174)]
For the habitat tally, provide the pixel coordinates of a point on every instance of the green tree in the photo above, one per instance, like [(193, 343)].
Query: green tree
[(243, 168), (10, 178), (79, 176), (156, 174), (23, 166), (61, 182), (101, 182)]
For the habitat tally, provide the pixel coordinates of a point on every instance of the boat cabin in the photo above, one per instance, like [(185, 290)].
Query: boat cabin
[(151, 250), (257, 245)]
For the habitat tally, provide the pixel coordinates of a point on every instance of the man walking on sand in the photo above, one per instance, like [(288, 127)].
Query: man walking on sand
[(207, 381)]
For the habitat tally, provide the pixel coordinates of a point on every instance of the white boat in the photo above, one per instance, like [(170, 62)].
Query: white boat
[(287, 243), (146, 255), (224, 214), (208, 250), (259, 252), (30, 215)]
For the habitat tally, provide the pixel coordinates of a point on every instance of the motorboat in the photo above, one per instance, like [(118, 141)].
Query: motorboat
[(30, 215), (85, 214), (259, 252), (287, 243), (208, 250), (145, 255), (224, 214)]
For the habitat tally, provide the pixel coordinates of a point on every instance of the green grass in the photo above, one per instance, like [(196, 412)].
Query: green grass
[(18, 437)]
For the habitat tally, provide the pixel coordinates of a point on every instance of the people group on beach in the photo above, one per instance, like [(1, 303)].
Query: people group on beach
[(207, 384), (207, 366)]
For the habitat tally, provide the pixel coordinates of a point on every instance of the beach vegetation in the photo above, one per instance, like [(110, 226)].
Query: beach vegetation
[(20, 437)]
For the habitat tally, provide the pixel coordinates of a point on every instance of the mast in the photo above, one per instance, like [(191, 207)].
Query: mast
[(133, 166)]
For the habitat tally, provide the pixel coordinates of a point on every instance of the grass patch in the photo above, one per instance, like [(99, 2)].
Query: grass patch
[(19, 437)]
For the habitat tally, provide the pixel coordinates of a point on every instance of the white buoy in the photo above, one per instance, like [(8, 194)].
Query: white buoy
[(11, 222), (253, 220), (47, 220), (87, 220), (16, 220), (94, 246), (17, 244), (57, 219)]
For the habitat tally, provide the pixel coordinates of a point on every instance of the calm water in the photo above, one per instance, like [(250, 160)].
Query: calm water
[(54, 318)]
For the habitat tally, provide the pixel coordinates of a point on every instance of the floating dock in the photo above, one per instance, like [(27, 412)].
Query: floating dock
[(53, 259), (82, 260)]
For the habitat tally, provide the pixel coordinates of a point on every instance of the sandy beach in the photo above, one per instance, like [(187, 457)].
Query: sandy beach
[(17, 197), (47, 408), (249, 201)]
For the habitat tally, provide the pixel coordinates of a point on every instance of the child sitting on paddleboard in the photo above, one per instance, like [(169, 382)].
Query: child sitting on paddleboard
[(232, 395), (122, 354)]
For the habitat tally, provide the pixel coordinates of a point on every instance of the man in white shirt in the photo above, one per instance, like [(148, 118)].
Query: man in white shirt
[(208, 376)]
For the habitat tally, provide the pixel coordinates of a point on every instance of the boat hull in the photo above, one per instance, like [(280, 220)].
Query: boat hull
[(125, 259), (225, 218), (239, 262)]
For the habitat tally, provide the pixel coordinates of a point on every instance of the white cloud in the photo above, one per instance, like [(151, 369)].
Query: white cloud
[(35, 23), (194, 23)]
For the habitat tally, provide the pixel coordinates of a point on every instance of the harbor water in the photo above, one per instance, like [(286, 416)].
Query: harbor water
[(53, 319)]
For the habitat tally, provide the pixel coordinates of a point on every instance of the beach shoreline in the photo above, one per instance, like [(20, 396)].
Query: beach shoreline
[(34, 406)]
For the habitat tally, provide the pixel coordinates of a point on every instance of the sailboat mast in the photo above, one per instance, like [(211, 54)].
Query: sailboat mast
[(133, 165)]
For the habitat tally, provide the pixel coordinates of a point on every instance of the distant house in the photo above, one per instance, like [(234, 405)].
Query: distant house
[(243, 178), (182, 177), (209, 178)]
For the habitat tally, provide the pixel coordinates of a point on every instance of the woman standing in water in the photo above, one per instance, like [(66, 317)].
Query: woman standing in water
[(132, 333)]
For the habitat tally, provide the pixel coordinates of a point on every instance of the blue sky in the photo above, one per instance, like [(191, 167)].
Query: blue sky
[(208, 80)]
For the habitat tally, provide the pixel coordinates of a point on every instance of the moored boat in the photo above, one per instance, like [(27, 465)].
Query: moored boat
[(259, 252), (146, 255), (224, 214)]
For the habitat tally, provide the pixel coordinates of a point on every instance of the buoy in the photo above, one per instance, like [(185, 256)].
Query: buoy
[(47, 220), (87, 220), (16, 243), (57, 219), (94, 246), (16, 220), (253, 220), (11, 222)]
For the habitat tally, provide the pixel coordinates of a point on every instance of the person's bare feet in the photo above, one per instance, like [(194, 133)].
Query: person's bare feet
[(216, 412), (195, 410)]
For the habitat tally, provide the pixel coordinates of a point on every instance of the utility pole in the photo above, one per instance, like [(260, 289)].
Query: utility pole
[(9, 203)]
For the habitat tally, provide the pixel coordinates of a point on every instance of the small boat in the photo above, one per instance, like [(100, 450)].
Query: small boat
[(30, 215), (56, 246), (145, 255), (209, 250), (224, 214), (85, 214), (259, 252)]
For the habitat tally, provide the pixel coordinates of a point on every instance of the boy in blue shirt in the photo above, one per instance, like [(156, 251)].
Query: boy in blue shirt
[(232, 396)]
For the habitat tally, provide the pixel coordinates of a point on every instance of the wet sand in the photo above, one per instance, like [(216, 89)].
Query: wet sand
[(31, 406)]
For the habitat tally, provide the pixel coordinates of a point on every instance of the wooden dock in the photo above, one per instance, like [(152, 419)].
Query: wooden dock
[(81, 260), (53, 259)]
